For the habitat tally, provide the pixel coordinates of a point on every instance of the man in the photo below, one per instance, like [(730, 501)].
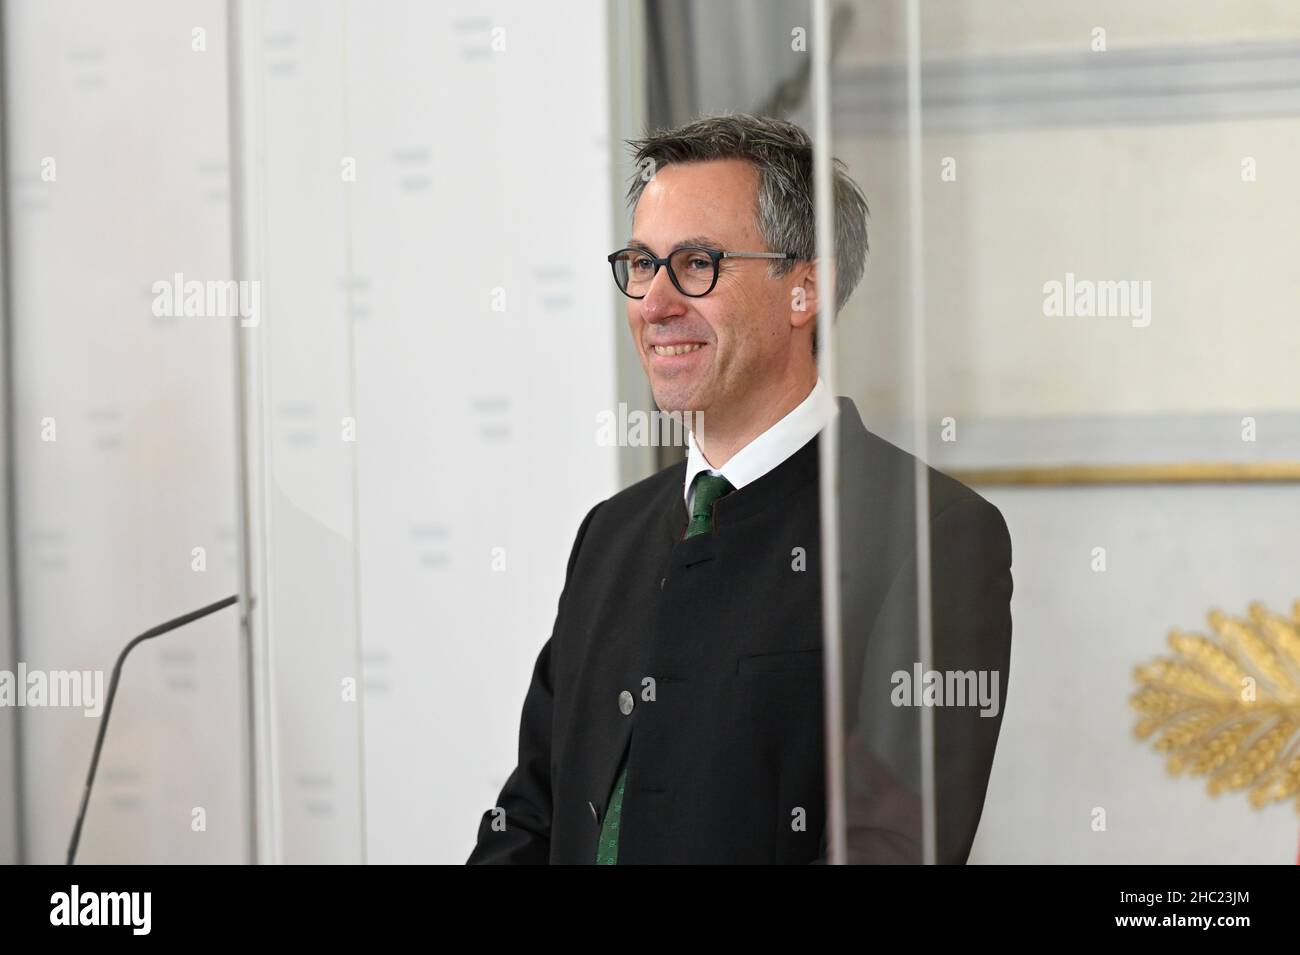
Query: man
[(676, 713)]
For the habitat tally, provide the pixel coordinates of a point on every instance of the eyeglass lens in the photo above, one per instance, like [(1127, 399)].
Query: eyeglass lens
[(635, 270)]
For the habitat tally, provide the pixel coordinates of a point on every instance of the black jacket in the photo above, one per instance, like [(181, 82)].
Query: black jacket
[(718, 641)]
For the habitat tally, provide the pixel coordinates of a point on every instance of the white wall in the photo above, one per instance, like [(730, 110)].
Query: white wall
[(141, 469), (477, 170)]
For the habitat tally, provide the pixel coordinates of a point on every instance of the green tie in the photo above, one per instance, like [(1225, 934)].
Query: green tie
[(708, 488)]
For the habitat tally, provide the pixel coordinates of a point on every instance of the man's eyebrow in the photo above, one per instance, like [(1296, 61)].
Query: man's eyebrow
[(703, 241)]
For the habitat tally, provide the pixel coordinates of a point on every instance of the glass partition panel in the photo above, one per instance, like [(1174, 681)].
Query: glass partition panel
[(1091, 343)]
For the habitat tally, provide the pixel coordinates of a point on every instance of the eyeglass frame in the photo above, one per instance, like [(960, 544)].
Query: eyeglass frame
[(715, 255)]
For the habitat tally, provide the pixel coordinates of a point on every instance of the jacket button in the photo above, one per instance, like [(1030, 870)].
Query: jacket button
[(625, 703), (662, 581), (595, 814)]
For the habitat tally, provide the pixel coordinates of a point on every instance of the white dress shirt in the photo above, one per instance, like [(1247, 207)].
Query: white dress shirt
[(771, 447)]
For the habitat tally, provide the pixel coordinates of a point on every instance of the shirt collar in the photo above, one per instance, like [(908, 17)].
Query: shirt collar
[(770, 448)]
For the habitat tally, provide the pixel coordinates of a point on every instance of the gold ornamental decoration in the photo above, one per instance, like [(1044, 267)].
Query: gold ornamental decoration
[(1227, 706)]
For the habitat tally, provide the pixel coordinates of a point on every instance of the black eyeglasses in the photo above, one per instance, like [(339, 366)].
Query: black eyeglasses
[(694, 271)]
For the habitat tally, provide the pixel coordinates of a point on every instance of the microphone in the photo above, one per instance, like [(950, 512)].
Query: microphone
[(112, 691)]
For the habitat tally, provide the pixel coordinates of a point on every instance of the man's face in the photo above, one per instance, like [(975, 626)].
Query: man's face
[(743, 326)]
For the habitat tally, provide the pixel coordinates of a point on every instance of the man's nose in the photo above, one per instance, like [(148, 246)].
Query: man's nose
[(662, 301)]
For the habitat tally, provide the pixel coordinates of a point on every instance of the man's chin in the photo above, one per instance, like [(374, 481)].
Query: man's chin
[(669, 403)]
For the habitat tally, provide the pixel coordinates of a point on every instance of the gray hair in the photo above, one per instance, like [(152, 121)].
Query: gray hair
[(782, 153)]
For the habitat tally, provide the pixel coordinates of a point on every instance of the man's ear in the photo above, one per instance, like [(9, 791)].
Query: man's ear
[(805, 294)]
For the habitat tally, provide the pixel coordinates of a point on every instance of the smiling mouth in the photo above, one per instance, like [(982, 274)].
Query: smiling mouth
[(666, 350)]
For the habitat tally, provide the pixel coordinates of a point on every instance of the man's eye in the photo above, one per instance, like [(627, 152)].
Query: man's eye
[(641, 264), (700, 262)]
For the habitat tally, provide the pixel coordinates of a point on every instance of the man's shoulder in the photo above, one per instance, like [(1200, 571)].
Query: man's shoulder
[(878, 502), (896, 467), (646, 500)]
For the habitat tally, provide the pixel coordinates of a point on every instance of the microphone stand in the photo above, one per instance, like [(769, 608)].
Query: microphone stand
[(112, 691)]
